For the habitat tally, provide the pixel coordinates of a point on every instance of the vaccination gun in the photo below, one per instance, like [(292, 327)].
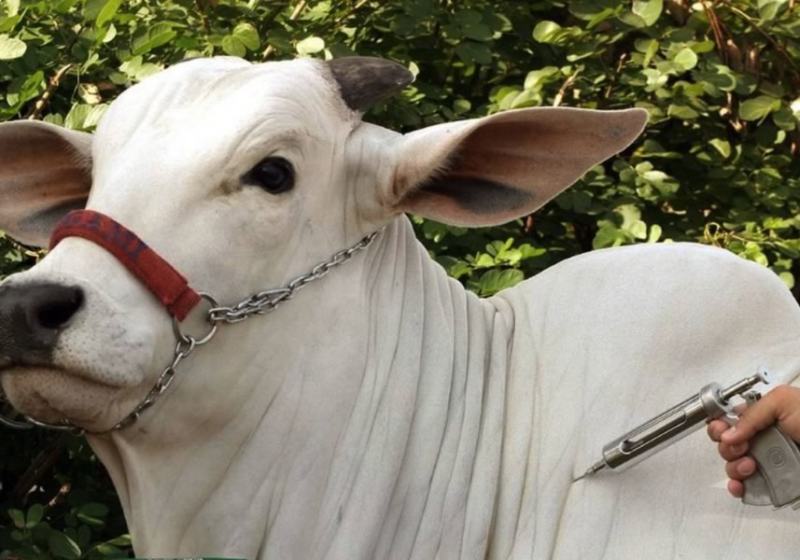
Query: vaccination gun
[(777, 480)]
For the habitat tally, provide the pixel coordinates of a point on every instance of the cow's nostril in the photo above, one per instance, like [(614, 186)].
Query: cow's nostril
[(33, 316), (58, 307)]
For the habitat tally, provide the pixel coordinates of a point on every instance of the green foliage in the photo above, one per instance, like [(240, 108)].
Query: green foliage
[(718, 163), (57, 501)]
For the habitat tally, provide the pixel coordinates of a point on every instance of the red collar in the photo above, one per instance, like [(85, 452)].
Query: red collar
[(163, 281)]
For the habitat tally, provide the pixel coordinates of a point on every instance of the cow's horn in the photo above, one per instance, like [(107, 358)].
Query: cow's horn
[(364, 80)]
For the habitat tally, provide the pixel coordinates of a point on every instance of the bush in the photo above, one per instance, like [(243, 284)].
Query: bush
[(718, 163)]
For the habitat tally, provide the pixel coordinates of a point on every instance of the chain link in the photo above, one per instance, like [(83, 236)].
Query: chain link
[(268, 300), (257, 304)]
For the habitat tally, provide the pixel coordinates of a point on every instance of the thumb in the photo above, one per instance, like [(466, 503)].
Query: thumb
[(770, 409)]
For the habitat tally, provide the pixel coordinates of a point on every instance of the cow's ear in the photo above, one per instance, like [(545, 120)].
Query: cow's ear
[(45, 171), (491, 170)]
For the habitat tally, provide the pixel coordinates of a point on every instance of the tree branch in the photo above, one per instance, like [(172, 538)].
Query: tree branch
[(563, 89), (295, 14), (40, 466), (201, 8), (776, 45), (44, 99), (615, 76)]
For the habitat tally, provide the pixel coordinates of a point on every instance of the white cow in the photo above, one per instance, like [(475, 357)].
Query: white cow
[(384, 412)]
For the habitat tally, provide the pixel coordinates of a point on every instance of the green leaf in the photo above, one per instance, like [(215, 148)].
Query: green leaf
[(17, 536), (648, 10), (758, 107), (472, 52), (495, 280), (458, 269), (122, 540), (722, 146), (608, 235), (62, 546), (92, 9), (137, 70), (682, 112), (247, 35), (77, 116), (233, 46), (686, 58), (108, 12), (93, 509), (17, 517), (537, 78), (11, 48), (655, 233), (655, 79), (93, 117), (767, 11), (466, 17), (63, 6), (420, 8), (483, 261), (35, 514), (546, 31), (638, 229), (461, 106), (20, 92), (718, 77), (243, 38), (785, 119), (310, 45), (477, 32), (530, 252), (650, 49), (154, 37), (109, 551), (111, 34)]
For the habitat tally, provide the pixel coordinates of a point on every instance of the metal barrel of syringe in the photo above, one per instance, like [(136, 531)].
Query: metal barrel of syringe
[(676, 423)]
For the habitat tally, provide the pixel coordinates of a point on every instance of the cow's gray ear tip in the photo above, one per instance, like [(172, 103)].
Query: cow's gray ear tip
[(365, 80), (402, 74), (407, 79)]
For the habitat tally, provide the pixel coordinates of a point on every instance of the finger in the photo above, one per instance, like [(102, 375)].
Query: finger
[(732, 452), (715, 429), (736, 488), (741, 468), (762, 414)]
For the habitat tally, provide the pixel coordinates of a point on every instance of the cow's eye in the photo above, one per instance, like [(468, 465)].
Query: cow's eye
[(273, 174)]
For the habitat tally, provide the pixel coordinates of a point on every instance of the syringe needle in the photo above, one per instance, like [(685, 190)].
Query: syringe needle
[(598, 466), (584, 475)]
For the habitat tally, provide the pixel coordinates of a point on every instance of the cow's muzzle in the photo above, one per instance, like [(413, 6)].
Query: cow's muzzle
[(48, 315), (32, 316)]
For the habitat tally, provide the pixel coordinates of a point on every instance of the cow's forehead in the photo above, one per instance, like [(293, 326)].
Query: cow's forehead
[(229, 95)]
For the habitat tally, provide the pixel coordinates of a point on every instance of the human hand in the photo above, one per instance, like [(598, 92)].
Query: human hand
[(781, 406)]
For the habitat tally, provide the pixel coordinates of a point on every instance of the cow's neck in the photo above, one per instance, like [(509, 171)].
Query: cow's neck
[(353, 430)]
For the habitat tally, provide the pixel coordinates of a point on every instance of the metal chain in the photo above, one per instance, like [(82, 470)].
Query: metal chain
[(266, 301), (257, 304)]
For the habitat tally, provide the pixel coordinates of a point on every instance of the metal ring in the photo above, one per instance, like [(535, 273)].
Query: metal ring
[(15, 424), (176, 327), (64, 426)]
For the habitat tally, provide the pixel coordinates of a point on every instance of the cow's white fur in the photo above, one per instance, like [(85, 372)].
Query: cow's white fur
[(385, 412)]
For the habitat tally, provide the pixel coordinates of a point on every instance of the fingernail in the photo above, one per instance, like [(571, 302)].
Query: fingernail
[(747, 469)]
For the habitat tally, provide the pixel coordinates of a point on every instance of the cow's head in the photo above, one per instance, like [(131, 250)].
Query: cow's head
[(242, 176)]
